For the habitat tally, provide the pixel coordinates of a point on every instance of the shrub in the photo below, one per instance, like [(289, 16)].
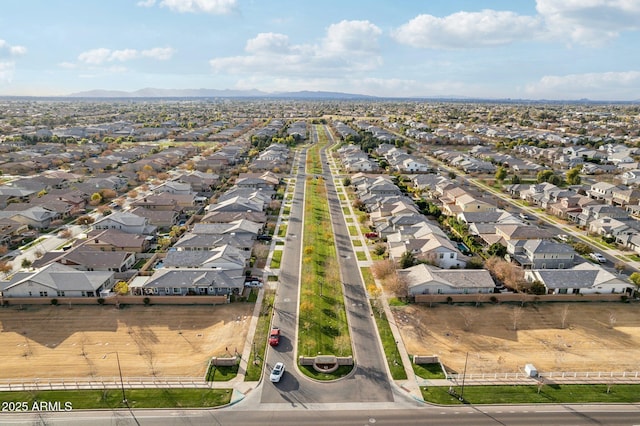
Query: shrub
[(54, 302), (493, 299), (449, 300), (100, 301), (146, 301)]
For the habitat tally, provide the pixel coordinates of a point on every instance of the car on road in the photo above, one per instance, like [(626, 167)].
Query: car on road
[(563, 237), (274, 336), (524, 216), (598, 257), (263, 237), (277, 372)]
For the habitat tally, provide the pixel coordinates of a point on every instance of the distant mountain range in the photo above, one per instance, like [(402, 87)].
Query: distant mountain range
[(214, 93)]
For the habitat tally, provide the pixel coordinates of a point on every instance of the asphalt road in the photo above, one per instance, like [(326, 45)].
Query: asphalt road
[(347, 414), (369, 382)]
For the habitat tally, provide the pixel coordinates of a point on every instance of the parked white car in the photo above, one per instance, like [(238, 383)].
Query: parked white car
[(598, 257)]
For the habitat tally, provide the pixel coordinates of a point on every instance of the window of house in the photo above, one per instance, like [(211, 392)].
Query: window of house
[(60, 293), (176, 290), (44, 294)]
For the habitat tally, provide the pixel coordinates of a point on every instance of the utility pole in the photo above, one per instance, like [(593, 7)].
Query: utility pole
[(124, 397), (464, 375)]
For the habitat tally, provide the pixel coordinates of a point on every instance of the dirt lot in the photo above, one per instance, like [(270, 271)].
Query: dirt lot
[(595, 337), (55, 341)]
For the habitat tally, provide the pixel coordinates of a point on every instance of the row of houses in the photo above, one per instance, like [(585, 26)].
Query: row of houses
[(210, 258)]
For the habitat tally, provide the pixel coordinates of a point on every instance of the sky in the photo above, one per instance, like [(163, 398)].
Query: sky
[(495, 49)]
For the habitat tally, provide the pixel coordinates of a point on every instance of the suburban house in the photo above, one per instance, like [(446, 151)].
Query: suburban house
[(84, 259), (585, 278), (35, 217), (224, 258), (590, 213), (56, 280), (423, 279), (125, 222), (540, 254), (115, 240), (161, 219), (194, 281)]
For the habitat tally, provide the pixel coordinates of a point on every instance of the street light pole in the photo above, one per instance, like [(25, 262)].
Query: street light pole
[(124, 397), (464, 375)]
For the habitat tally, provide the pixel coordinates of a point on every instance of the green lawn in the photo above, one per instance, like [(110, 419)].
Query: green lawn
[(353, 230), (346, 210), (356, 243), (389, 344), (548, 394), (282, 230), (221, 373), (361, 255), (276, 259), (322, 323), (137, 398), (429, 371), (259, 344)]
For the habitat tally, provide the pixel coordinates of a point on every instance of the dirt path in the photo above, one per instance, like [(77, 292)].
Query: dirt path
[(503, 338), (55, 341)]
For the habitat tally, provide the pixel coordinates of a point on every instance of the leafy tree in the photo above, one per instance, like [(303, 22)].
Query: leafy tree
[(121, 287), (635, 279), (555, 179), (497, 249), (96, 198), (582, 248), (407, 260), (515, 179), (544, 175), (537, 288), (501, 173), (573, 176), (85, 220)]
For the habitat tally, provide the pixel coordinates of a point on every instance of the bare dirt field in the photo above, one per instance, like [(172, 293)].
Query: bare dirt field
[(55, 341), (503, 338)]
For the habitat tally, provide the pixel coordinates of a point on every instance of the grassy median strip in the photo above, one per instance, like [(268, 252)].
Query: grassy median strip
[(547, 394), (259, 344), (322, 321), (112, 398)]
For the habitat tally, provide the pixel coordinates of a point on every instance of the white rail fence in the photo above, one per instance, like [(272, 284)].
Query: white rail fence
[(103, 383), (586, 376)]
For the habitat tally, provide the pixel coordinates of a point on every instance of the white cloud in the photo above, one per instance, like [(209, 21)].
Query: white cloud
[(95, 56), (146, 3), (123, 55), (623, 85), (7, 49), (215, 7), (467, 29), (6, 71), (268, 43), (348, 46), (68, 65), (159, 53), (102, 55), (590, 22), (348, 37)]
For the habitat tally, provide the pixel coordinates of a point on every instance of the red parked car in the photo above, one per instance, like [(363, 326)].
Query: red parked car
[(274, 336)]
